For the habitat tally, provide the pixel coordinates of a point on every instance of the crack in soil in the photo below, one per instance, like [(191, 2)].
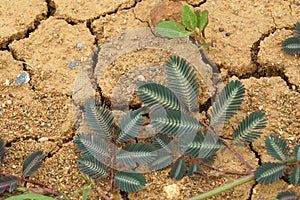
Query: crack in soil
[(259, 163)]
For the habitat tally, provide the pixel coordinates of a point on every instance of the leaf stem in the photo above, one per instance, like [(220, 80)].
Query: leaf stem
[(49, 189), (210, 129), (224, 188), (224, 171)]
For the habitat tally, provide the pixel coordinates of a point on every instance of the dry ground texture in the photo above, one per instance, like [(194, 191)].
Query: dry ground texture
[(46, 33)]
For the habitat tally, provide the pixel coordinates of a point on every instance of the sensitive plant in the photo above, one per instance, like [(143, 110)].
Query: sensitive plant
[(170, 111)]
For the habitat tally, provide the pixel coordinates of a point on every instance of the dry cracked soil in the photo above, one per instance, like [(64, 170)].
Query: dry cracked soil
[(45, 37)]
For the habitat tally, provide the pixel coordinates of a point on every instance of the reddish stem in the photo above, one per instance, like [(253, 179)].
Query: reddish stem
[(49, 189), (102, 193)]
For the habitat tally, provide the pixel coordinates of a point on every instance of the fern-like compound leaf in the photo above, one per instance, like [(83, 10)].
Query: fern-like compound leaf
[(194, 168), (93, 145), (183, 81), (175, 123), (295, 176), (157, 95), (178, 169), (277, 147), (135, 153), (248, 130), (209, 160), (210, 145), (32, 163), (2, 149), (163, 142), (269, 172), (92, 167), (297, 152), (161, 161), (99, 118), (291, 45), (287, 195), (130, 181), (8, 183), (130, 125), (228, 103), (191, 146)]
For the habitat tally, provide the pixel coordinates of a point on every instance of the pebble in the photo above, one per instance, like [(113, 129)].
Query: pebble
[(22, 78), (227, 34), (221, 29), (9, 102), (79, 46), (73, 64), (43, 139)]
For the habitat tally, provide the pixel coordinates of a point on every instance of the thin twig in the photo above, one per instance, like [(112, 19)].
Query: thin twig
[(102, 193)]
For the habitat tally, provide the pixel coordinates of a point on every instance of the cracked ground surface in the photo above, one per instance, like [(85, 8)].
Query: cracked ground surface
[(45, 34)]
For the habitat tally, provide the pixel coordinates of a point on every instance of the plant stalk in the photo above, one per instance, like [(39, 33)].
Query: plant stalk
[(224, 188)]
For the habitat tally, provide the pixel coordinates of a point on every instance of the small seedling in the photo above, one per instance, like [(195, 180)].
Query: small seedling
[(292, 44), (194, 25)]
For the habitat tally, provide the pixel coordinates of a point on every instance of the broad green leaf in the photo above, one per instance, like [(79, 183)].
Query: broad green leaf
[(178, 169), (295, 176), (292, 45), (99, 117), (174, 122), (8, 183), (2, 149), (183, 81), (157, 95), (248, 130), (135, 153), (172, 30), (130, 125), (228, 103), (194, 168), (32, 163), (287, 195), (161, 161), (163, 142), (277, 147), (86, 193), (202, 19), (269, 172), (297, 152), (189, 18), (130, 181), (31, 196), (92, 167), (93, 145)]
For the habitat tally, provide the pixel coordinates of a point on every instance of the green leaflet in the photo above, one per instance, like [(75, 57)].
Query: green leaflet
[(292, 45), (178, 169), (295, 176), (135, 153), (93, 145), (130, 125), (174, 122), (130, 181), (287, 195), (161, 161), (92, 167), (297, 152), (163, 142), (32, 163), (248, 130), (172, 30), (277, 147), (8, 183), (194, 168), (99, 117), (183, 81), (202, 19), (189, 18), (157, 95), (269, 172), (227, 103)]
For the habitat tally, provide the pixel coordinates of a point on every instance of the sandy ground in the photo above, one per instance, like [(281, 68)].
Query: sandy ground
[(48, 35)]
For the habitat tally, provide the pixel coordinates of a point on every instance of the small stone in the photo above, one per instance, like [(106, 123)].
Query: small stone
[(227, 34), (43, 139), (73, 64), (79, 46), (141, 78), (297, 3), (22, 78), (221, 29), (9, 102)]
